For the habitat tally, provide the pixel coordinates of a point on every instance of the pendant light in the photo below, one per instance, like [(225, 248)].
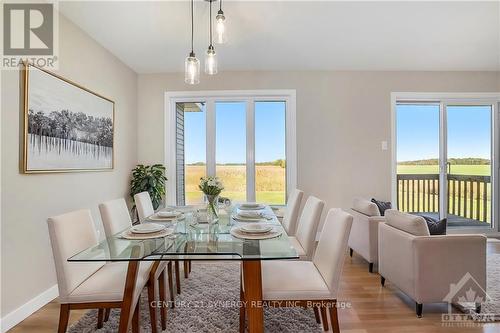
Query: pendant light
[(210, 56), (192, 64), (220, 29)]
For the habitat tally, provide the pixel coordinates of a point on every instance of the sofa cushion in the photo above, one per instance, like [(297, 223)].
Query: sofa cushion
[(365, 207), (382, 205), (411, 224), (436, 227)]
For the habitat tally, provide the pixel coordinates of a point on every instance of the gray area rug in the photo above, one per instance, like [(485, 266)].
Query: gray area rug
[(208, 303), (492, 306)]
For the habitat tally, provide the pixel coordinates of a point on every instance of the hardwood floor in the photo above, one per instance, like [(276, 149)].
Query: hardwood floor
[(373, 309)]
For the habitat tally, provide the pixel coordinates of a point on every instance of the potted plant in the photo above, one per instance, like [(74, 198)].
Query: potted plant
[(151, 179)]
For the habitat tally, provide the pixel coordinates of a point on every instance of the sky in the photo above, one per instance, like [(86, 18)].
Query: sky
[(48, 93), (231, 133), (469, 131)]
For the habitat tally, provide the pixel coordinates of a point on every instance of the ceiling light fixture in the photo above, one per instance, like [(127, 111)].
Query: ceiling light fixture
[(221, 35), (210, 55), (192, 64)]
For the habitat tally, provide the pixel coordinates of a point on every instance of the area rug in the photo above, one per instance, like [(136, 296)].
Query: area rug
[(492, 305), (208, 303)]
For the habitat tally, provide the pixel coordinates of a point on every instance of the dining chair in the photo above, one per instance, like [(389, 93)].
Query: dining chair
[(304, 239), (96, 285), (144, 207), (291, 215), (115, 218), (309, 283)]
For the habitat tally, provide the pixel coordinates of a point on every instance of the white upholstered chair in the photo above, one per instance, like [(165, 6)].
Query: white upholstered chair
[(144, 205), (89, 285), (364, 233), (304, 239), (145, 208), (427, 268), (291, 215), (310, 283), (115, 218)]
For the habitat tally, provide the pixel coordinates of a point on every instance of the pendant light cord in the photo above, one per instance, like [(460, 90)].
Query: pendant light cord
[(210, 22), (220, 5), (192, 25)]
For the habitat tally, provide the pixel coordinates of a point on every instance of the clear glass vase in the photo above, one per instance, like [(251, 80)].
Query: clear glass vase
[(212, 208)]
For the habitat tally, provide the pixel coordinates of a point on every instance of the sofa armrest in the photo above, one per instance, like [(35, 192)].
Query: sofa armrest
[(395, 256), (364, 235), (444, 260)]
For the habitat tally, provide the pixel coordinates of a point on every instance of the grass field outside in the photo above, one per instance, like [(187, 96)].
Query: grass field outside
[(423, 197), (270, 183)]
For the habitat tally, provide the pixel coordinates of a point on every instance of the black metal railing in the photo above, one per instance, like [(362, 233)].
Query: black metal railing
[(469, 196)]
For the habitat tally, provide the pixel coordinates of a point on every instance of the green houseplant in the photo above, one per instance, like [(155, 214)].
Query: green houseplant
[(150, 178)]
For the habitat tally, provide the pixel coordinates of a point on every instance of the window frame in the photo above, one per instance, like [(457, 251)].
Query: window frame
[(247, 96)]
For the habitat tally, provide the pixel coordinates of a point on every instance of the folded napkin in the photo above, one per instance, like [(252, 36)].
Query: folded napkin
[(249, 213)]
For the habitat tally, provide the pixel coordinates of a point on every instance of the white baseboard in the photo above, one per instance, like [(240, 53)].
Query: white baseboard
[(24, 311)]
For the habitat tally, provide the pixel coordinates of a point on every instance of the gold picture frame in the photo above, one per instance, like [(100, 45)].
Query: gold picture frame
[(75, 137)]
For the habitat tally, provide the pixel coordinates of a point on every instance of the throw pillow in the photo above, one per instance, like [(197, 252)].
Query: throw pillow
[(382, 205), (436, 227)]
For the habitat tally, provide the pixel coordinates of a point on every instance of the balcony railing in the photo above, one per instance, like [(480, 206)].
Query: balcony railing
[(469, 197)]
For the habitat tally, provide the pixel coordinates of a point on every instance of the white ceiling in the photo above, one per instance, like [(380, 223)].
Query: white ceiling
[(153, 37)]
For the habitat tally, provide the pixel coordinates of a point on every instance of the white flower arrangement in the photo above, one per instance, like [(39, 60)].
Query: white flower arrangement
[(211, 185)]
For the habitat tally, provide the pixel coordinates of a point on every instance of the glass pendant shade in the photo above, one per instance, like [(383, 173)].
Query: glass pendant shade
[(220, 28), (210, 61), (192, 70)]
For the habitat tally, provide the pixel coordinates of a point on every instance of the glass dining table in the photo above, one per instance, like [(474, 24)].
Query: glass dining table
[(200, 241)]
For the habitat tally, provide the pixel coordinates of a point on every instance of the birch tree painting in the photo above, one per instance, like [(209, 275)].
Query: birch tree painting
[(68, 128)]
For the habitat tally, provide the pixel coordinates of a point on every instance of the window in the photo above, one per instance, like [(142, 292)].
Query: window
[(246, 139)]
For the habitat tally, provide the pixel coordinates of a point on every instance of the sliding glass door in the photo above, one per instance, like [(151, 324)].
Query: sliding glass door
[(469, 164), (418, 158), (446, 161)]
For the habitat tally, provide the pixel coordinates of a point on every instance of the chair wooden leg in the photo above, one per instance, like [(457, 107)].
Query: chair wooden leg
[(324, 318), (382, 280), (63, 318), (128, 296), (163, 301), (135, 318), (370, 267), (177, 278), (100, 318), (171, 284), (242, 311), (186, 269), (334, 318), (316, 315), (189, 266), (107, 312), (350, 252), (152, 309)]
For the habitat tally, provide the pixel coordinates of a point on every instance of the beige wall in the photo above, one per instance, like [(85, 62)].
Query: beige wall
[(27, 200), (342, 117)]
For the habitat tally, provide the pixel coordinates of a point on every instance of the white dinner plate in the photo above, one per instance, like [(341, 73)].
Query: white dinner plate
[(155, 217), (128, 234), (256, 228), (236, 232), (146, 228)]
